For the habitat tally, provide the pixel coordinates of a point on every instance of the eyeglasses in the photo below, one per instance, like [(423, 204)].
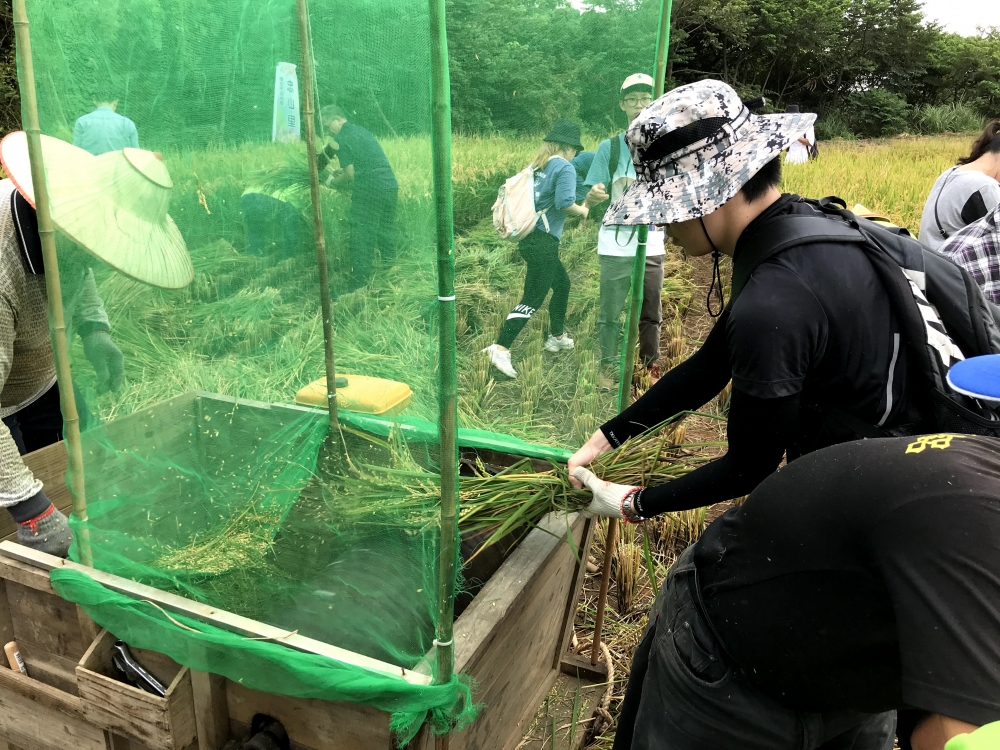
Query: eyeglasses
[(638, 101)]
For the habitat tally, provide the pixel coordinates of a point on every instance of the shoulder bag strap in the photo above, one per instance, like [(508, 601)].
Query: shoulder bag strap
[(937, 199), (613, 158), (781, 233)]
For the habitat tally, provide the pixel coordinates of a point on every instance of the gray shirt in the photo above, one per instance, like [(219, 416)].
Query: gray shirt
[(958, 198)]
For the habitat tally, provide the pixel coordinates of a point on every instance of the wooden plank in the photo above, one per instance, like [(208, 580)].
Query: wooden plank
[(26, 575), (160, 432), (88, 628), (244, 423), (39, 693), (211, 710), (165, 723), (221, 618), (513, 649), (46, 620), (313, 724), (576, 589), (478, 625), (6, 623), (35, 717), (52, 669), (578, 666), (183, 723), (155, 427)]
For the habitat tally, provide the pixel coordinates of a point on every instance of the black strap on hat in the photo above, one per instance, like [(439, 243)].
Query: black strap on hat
[(716, 284), (684, 137)]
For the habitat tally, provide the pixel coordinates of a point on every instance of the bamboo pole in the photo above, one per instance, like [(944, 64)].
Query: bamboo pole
[(308, 119), (628, 355), (53, 287), (448, 366)]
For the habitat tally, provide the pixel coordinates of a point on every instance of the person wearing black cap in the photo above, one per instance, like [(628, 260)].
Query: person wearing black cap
[(852, 599), (555, 200)]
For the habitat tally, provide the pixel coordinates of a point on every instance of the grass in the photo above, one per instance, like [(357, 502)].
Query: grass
[(891, 176)]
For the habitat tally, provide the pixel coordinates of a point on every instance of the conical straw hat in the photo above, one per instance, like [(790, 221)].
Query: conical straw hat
[(113, 205)]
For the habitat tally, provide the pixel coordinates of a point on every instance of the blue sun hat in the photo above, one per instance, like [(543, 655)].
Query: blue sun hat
[(978, 377)]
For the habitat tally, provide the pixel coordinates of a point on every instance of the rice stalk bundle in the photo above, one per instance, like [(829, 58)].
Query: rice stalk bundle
[(629, 571)]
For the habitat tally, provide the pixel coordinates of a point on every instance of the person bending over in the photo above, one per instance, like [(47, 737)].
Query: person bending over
[(812, 336), (854, 597)]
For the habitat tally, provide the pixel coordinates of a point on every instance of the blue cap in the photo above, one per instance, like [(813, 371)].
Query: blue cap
[(978, 377)]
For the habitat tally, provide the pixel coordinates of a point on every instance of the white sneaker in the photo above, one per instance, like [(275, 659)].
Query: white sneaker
[(562, 344), (500, 359)]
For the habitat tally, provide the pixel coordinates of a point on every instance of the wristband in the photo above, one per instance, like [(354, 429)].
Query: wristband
[(629, 506)]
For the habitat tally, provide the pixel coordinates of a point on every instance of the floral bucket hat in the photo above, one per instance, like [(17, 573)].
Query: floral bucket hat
[(693, 149)]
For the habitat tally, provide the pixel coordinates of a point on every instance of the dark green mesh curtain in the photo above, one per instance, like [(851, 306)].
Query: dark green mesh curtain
[(203, 477)]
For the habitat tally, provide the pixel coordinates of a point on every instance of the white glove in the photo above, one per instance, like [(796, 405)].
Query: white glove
[(608, 497)]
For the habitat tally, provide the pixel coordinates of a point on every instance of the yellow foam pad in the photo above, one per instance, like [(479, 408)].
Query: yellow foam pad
[(362, 394)]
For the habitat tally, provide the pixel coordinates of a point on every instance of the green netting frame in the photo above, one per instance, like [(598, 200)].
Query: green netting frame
[(207, 118)]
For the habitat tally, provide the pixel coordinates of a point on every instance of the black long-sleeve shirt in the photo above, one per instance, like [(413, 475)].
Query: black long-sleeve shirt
[(812, 328)]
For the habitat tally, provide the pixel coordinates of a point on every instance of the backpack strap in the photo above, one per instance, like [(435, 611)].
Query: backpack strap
[(781, 233), (858, 426), (937, 199)]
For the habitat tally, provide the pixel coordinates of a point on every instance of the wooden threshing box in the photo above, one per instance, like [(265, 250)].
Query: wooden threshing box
[(509, 640)]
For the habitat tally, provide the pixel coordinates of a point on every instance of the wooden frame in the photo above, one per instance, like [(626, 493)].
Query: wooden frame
[(212, 615), (42, 711), (509, 640)]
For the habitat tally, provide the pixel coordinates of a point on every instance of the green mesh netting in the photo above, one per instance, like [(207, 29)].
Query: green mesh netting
[(202, 476)]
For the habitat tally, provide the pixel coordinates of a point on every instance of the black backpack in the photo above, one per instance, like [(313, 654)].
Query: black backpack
[(942, 312)]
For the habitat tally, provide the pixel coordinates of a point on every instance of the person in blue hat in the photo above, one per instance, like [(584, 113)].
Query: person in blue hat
[(555, 201)]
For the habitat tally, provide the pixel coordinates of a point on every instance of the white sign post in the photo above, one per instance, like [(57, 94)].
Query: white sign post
[(286, 125)]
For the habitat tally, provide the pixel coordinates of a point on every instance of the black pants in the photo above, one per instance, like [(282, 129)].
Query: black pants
[(540, 251), (41, 423), (684, 692), (373, 225)]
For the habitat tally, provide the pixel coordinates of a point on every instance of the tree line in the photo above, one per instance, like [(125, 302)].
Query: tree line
[(868, 67)]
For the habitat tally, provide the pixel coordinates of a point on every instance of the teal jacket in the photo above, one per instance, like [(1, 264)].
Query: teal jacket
[(104, 130)]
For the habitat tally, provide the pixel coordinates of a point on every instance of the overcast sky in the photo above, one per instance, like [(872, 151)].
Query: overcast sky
[(962, 16)]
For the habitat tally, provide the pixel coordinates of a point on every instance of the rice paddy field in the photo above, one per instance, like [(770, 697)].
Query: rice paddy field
[(249, 325)]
